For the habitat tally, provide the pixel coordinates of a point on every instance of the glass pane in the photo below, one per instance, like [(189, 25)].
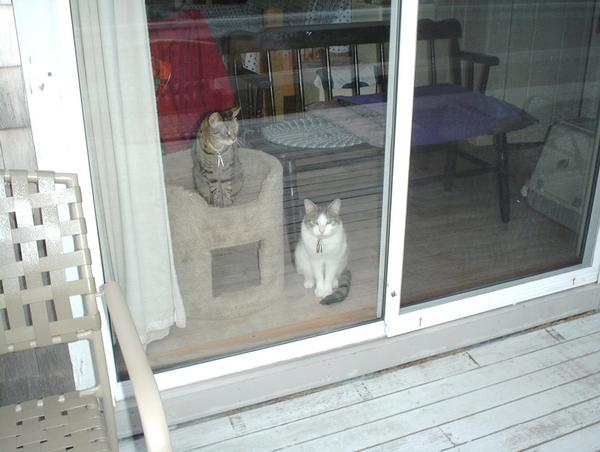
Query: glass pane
[(271, 118), (503, 159)]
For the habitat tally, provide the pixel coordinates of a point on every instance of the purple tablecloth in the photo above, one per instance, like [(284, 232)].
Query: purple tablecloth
[(441, 113)]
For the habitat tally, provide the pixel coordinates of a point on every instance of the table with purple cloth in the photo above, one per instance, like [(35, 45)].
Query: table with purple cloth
[(442, 114)]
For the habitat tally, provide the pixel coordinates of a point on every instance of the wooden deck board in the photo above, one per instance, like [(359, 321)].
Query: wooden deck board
[(539, 389), (586, 439), (508, 416), (400, 414), (427, 440), (536, 431)]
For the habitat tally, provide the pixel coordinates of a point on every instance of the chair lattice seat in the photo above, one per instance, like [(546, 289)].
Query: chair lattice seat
[(48, 296), (65, 422)]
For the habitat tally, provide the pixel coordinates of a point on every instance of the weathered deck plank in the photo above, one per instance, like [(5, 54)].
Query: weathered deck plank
[(526, 410), (536, 431), (427, 440), (539, 389), (585, 438), (377, 424), (424, 406)]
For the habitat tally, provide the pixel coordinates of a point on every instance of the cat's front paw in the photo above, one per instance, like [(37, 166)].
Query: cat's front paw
[(322, 292), (309, 283)]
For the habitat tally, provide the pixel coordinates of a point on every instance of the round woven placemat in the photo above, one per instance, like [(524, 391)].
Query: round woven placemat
[(309, 132)]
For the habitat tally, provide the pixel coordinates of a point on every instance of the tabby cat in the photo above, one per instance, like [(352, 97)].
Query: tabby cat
[(321, 255), (218, 173)]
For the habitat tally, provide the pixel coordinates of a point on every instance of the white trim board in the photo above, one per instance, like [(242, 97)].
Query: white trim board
[(235, 391)]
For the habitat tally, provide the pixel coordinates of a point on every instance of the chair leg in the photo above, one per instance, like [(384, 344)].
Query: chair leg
[(450, 169), (502, 175), (290, 203)]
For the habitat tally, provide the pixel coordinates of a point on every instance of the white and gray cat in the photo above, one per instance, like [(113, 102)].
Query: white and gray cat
[(217, 169), (321, 255)]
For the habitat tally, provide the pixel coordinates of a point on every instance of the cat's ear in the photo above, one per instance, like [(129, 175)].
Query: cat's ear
[(214, 119), (235, 111), (309, 206), (334, 206)]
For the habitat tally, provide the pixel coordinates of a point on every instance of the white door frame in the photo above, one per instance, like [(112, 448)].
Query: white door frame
[(50, 73)]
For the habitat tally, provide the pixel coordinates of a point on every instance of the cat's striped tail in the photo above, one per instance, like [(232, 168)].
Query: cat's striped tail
[(342, 291)]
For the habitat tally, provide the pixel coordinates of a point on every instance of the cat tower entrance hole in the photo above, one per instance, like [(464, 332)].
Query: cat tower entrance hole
[(201, 233), (235, 268)]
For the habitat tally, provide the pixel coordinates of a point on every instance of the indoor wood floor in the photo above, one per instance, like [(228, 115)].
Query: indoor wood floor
[(455, 241), (538, 390)]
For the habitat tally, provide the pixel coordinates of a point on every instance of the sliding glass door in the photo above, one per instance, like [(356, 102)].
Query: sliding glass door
[(503, 161), (251, 139), (273, 180)]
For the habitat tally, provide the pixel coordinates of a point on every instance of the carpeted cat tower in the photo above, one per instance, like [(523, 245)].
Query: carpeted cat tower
[(199, 232)]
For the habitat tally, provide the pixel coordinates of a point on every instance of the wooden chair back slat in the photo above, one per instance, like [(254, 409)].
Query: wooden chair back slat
[(436, 33), (271, 81), (355, 70), (301, 104), (382, 70), (328, 81)]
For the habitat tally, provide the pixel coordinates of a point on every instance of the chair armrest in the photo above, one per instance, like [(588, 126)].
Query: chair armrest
[(480, 58), (154, 424)]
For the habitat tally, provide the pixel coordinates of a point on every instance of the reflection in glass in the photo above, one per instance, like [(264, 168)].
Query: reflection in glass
[(262, 105), (502, 163)]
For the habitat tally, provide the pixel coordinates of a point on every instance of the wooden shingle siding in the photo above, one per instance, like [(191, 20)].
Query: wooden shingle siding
[(16, 142), (17, 139), (9, 48), (14, 113)]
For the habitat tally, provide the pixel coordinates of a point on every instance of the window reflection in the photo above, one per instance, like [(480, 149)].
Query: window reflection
[(502, 164), (272, 123)]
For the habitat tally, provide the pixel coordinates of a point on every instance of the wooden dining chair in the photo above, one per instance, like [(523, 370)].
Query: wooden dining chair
[(442, 41), (297, 40), (47, 297), (445, 62), (471, 70)]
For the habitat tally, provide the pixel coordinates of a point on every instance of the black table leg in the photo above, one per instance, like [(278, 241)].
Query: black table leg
[(502, 174), (450, 169), (290, 203)]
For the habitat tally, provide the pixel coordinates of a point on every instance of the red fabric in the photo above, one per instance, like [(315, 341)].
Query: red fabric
[(198, 83)]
